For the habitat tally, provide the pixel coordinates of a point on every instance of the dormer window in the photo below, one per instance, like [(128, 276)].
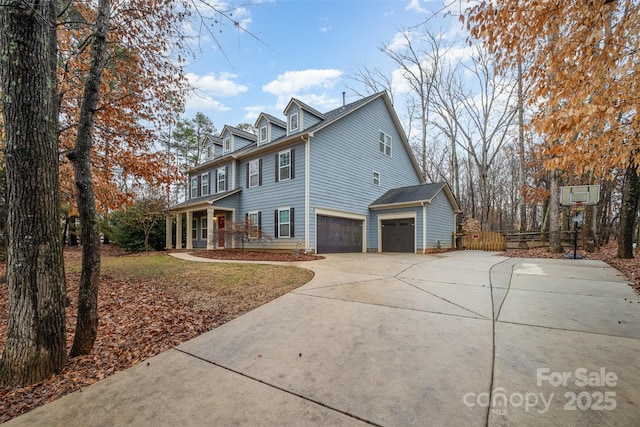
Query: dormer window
[(209, 152), (227, 144), (293, 122), (262, 134)]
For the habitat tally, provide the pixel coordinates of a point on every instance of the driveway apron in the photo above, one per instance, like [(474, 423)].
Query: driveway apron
[(395, 340)]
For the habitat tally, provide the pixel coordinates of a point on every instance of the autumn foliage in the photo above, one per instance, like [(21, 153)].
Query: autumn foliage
[(142, 88), (584, 75)]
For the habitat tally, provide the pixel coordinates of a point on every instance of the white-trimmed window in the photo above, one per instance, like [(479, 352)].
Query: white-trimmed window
[(284, 222), (203, 228), (254, 173), (204, 184), (293, 122), (284, 165), (254, 224), (222, 177), (263, 134), (227, 144), (194, 228), (194, 187), (209, 152), (376, 178), (385, 143)]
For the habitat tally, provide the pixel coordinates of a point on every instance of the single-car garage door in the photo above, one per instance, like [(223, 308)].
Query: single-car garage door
[(398, 235), (338, 235)]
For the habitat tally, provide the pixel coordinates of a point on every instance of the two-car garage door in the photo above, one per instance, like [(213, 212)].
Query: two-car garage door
[(339, 235), (336, 235)]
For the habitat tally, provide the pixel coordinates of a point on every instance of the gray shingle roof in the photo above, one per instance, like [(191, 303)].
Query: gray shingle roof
[(414, 193)]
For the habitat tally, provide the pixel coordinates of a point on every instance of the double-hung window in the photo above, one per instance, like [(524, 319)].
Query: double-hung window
[(227, 144), (254, 173), (385, 143), (194, 228), (204, 184), (284, 223), (376, 178), (293, 122), (263, 134), (221, 180), (203, 228), (194, 187), (284, 165), (254, 224)]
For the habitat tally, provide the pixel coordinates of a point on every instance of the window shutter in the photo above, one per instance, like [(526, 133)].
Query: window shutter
[(260, 224), (277, 221), (189, 187), (259, 173), (247, 174), (226, 178), (291, 220), (277, 168), (210, 192), (199, 185), (293, 163)]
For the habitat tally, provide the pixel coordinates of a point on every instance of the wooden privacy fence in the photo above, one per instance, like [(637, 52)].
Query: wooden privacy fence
[(484, 241)]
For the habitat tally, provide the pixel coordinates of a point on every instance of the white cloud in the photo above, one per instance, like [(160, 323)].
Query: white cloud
[(293, 82), (207, 88), (415, 6), (221, 85)]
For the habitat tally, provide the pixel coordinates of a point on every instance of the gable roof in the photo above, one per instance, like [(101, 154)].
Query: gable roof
[(414, 195), (239, 132), (303, 106), (271, 119)]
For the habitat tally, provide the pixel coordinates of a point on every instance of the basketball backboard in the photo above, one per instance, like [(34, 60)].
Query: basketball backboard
[(572, 195)]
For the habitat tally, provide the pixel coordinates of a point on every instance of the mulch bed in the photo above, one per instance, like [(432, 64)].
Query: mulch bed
[(252, 255)]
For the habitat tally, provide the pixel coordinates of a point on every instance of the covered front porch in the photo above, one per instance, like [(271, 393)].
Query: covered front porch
[(198, 224)]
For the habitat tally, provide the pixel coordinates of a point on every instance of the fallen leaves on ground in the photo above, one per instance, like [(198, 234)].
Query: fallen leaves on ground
[(630, 268), (138, 319)]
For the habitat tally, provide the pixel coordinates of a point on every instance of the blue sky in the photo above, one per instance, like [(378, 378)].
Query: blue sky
[(306, 49)]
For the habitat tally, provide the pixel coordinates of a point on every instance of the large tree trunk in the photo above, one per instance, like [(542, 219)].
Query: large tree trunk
[(87, 323), (628, 212), (555, 242), (36, 343)]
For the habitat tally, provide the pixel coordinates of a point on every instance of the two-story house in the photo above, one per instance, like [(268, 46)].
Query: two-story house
[(341, 181)]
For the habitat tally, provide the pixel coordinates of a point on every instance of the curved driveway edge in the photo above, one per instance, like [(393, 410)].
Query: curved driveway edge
[(392, 340)]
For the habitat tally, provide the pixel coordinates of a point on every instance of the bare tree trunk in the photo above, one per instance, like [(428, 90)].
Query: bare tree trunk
[(36, 343), (628, 212), (87, 323), (521, 166), (555, 242)]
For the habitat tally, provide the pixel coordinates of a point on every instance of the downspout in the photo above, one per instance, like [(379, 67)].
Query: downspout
[(307, 174), (424, 227)]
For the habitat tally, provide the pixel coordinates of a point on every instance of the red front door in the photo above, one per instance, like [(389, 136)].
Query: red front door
[(221, 235)]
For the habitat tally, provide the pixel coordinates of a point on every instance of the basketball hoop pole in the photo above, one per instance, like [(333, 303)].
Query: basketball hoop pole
[(575, 239)]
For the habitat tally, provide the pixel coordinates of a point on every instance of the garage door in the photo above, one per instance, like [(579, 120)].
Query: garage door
[(338, 235), (398, 235)]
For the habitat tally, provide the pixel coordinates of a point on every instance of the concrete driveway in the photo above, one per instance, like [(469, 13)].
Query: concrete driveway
[(397, 340)]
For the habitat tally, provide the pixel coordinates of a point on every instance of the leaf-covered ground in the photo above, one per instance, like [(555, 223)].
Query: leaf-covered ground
[(141, 315), (607, 253), (252, 255)]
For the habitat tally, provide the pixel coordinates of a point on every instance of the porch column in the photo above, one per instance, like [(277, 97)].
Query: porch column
[(189, 230), (168, 230), (210, 229), (179, 230)]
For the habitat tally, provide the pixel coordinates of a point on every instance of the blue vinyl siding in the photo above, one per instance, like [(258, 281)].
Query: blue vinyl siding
[(277, 132), (344, 157), (272, 195), (440, 221), (409, 212), (309, 119)]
